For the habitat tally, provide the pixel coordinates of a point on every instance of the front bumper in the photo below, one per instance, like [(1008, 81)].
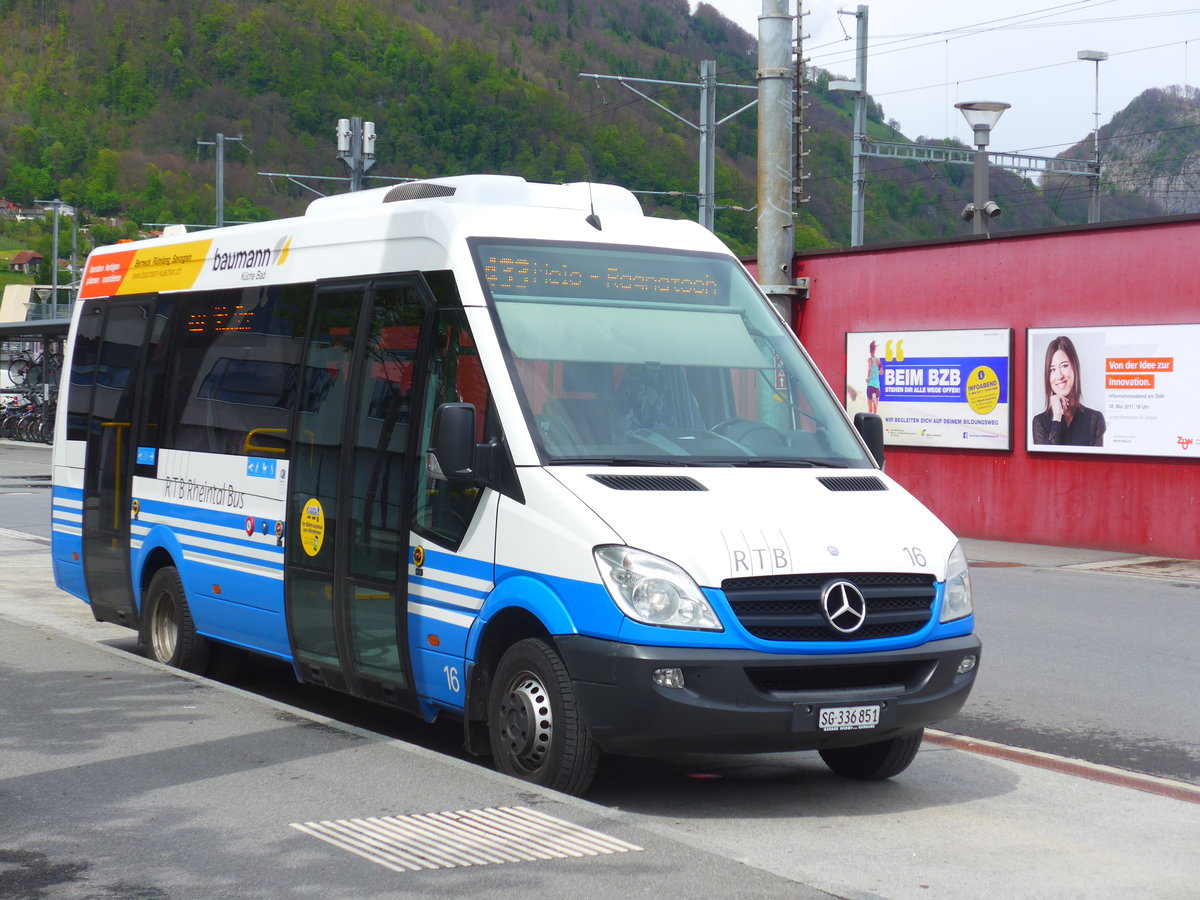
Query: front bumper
[(748, 702)]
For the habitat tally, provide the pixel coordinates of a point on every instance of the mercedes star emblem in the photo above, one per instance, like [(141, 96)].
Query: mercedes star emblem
[(844, 606)]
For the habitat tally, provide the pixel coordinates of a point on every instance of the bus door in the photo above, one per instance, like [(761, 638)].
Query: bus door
[(116, 332), (350, 496)]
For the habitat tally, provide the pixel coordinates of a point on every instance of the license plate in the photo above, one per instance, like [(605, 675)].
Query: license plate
[(848, 718)]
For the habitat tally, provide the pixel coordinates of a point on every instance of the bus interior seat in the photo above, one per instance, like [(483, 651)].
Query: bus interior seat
[(657, 397)]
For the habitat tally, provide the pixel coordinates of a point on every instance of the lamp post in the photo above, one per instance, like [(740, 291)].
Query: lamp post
[(982, 116), (1097, 57)]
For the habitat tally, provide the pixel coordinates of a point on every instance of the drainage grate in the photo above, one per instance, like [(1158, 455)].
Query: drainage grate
[(476, 837)]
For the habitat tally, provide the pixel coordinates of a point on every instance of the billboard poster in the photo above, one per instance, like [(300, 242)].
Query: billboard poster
[(934, 388), (1126, 389)]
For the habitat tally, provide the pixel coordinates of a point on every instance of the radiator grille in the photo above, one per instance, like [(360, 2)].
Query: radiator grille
[(788, 607)]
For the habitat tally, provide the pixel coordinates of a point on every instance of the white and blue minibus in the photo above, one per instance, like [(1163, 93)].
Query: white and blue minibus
[(510, 452)]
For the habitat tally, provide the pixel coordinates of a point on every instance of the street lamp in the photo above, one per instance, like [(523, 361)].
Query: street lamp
[(982, 116), (1097, 57)]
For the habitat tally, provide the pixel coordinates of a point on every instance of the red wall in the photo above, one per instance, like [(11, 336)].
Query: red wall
[(1144, 274)]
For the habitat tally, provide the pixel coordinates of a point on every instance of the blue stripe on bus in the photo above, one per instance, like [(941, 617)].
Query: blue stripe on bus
[(448, 587), (238, 544), (196, 514), (484, 570), (66, 549), (233, 548)]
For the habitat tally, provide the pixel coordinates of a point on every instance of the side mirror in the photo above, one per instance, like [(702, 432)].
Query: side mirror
[(451, 456), (870, 427)]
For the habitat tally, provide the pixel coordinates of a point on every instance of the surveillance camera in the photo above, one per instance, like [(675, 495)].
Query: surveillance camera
[(968, 212), (991, 210)]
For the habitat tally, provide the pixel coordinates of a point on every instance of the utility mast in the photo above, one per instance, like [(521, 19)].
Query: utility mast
[(858, 90), (798, 174), (776, 150), (220, 143), (356, 148), (707, 125)]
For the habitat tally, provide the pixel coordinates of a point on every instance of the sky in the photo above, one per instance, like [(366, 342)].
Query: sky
[(926, 55)]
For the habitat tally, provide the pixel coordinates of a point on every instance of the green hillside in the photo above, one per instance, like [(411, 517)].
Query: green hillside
[(102, 104)]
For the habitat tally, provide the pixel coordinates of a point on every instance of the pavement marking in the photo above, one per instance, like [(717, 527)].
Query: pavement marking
[(1150, 784), (476, 837)]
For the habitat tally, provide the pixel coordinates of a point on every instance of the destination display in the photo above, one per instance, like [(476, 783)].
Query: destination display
[(563, 270)]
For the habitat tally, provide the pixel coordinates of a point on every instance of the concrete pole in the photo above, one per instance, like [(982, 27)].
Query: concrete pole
[(220, 180), (1094, 194), (776, 81), (356, 166), (54, 260), (220, 183), (858, 196), (708, 141)]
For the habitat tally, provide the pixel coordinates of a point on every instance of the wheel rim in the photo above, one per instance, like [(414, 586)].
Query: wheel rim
[(526, 722), (164, 628)]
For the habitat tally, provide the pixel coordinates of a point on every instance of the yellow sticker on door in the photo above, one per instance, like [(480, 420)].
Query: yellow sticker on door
[(312, 527)]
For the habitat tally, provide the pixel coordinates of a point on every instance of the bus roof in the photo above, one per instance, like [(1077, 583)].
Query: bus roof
[(417, 225)]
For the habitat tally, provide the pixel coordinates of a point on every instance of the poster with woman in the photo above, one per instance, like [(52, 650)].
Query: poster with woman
[(1124, 389)]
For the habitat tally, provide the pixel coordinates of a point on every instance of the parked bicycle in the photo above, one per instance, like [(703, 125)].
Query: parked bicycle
[(29, 370), (24, 419)]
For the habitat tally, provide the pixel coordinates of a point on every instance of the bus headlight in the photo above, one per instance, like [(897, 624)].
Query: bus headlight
[(956, 602), (652, 590)]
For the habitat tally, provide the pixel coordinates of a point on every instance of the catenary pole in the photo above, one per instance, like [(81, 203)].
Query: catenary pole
[(776, 112), (707, 125)]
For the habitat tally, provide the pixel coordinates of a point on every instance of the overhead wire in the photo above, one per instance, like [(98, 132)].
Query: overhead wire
[(955, 33)]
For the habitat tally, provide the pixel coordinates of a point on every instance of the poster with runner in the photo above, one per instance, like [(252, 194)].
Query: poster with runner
[(1129, 390), (934, 388)]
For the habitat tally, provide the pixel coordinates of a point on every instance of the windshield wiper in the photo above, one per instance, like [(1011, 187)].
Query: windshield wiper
[(618, 460), (794, 462)]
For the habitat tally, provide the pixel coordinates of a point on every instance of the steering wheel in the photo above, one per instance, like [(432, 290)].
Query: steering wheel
[(759, 433)]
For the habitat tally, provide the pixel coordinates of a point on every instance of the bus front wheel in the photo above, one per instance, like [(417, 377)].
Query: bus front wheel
[(170, 633), (875, 762), (536, 728)]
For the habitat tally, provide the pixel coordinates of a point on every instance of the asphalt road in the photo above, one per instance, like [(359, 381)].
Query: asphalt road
[(102, 773), (1081, 663), (1090, 665)]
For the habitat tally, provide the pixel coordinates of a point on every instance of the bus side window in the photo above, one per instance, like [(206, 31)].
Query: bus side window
[(235, 370), (442, 511)]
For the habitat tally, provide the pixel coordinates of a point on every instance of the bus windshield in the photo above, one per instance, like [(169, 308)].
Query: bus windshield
[(629, 355)]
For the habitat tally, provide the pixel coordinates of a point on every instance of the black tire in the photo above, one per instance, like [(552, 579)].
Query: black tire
[(875, 762), (16, 370), (170, 633), (536, 728)]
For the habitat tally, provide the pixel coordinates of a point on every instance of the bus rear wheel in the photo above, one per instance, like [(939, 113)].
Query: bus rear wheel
[(170, 632), (536, 728), (875, 762)]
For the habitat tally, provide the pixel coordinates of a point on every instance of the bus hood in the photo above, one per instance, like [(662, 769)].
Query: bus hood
[(720, 523)]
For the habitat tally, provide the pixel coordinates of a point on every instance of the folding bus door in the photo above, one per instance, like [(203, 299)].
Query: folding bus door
[(351, 490), (122, 327)]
